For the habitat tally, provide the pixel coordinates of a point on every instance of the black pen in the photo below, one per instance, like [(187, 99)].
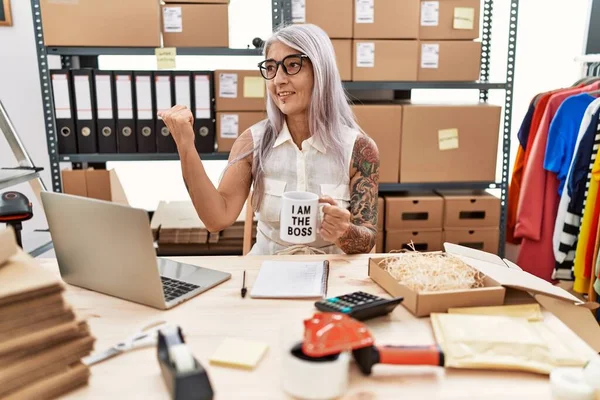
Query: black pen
[(244, 290)]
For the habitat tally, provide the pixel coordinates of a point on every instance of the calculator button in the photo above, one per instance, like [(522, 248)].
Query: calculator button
[(333, 300), (346, 310)]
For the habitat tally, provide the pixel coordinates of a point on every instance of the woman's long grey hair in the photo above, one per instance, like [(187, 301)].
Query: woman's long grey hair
[(329, 113)]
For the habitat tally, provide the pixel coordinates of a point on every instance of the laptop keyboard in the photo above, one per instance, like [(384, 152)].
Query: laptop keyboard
[(174, 288)]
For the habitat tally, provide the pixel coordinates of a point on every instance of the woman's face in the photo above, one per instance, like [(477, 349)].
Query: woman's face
[(291, 93)]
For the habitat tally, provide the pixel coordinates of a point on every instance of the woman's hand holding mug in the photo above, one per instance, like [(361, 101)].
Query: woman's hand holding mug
[(336, 220), (180, 121)]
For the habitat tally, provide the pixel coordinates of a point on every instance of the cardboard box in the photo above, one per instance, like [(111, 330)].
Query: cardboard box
[(379, 241), (96, 184), (134, 23), (343, 56), (484, 239), (230, 125), (387, 19), (201, 25), (423, 240), (449, 143), (386, 135), (240, 90), (380, 214), (333, 16), (470, 209), (449, 19), (385, 60), (198, 1), (449, 60), (414, 212)]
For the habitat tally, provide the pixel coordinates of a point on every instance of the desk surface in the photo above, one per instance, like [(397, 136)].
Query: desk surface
[(220, 313)]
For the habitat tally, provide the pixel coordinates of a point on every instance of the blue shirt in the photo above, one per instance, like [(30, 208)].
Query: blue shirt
[(562, 136)]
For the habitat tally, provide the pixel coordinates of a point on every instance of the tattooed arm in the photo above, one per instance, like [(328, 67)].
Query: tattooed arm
[(355, 231)]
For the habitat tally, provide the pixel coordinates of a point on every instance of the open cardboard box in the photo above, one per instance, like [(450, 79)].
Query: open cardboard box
[(502, 278)]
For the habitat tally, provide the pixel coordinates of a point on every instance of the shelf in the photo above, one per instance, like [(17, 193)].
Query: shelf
[(12, 177), (98, 157), (382, 85), (399, 187), (149, 51)]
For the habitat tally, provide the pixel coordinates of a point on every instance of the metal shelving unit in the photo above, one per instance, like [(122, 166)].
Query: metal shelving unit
[(282, 13)]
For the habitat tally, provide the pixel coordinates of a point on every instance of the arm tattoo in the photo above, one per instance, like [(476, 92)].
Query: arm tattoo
[(364, 187)]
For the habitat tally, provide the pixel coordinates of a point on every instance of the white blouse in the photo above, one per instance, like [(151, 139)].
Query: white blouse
[(311, 169)]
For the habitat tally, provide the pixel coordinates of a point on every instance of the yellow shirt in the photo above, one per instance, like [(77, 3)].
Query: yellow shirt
[(582, 284)]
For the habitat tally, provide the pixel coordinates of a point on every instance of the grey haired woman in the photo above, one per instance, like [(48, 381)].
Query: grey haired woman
[(310, 142)]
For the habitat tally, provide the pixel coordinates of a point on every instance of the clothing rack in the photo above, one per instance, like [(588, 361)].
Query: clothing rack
[(79, 57)]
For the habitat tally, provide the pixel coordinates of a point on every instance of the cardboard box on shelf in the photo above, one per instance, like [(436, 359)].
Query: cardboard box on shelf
[(230, 125), (343, 56), (108, 23), (485, 239), (380, 214), (379, 242), (385, 60), (418, 240), (240, 90), (414, 211), (449, 60), (449, 19), (96, 184), (386, 19), (386, 136), (195, 25), (470, 209), (449, 143), (333, 16)]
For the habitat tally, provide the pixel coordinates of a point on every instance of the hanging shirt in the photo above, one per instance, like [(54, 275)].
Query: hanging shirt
[(562, 136), (523, 134), (310, 169), (538, 203)]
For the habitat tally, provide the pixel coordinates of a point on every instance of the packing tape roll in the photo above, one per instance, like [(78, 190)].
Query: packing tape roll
[(569, 383), (315, 380), (182, 358)]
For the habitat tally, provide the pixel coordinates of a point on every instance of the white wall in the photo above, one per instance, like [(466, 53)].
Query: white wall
[(546, 48)]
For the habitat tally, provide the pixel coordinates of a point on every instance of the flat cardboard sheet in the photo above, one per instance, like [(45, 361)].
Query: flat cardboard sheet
[(8, 244)]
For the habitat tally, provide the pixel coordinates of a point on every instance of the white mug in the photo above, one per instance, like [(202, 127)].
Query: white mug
[(298, 219)]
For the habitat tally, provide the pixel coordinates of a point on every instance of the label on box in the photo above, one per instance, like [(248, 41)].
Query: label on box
[(228, 86), (365, 54), (229, 126), (62, 101), (430, 55), (104, 97), (448, 139), (254, 87), (202, 96), (298, 11), (172, 20), (365, 11), (182, 91), (83, 98), (430, 13), (165, 57), (464, 18)]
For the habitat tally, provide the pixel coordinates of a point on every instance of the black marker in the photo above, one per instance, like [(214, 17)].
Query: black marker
[(244, 290)]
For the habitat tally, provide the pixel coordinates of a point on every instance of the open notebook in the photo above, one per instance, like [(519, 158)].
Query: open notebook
[(291, 280)]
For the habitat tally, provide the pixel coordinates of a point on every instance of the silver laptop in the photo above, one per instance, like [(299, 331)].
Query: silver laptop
[(108, 248)]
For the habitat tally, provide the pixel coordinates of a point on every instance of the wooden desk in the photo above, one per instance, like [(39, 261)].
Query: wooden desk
[(219, 313)]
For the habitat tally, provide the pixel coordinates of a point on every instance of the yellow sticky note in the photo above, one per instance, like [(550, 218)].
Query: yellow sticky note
[(254, 87), (165, 57), (239, 353), (464, 18), (448, 139)]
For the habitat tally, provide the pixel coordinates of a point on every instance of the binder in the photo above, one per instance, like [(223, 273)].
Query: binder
[(104, 85), (182, 91), (85, 113), (145, 112), (126, 140), (63, 111), (163, 90), (204, 118)]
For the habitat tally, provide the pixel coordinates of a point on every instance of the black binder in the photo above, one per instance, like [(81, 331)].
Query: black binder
[(163, 90), (203, 106), (104, 87), (63, 111), (85, 112), (126, 141), (145, 112)]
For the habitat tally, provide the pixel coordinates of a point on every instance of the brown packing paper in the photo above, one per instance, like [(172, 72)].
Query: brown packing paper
[(38, 325), (55, 385), (8, 244), (16, 310), (40, 314)]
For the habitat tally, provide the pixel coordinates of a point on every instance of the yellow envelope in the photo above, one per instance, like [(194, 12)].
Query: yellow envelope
[(531, 312)]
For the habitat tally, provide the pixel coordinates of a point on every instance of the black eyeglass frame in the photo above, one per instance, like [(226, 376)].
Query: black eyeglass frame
[(278, 63)]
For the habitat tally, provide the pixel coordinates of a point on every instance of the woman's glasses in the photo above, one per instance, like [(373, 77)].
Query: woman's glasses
[(291, 65)]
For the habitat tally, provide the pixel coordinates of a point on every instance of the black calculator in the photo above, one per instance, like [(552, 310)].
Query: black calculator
[(359, 305)]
